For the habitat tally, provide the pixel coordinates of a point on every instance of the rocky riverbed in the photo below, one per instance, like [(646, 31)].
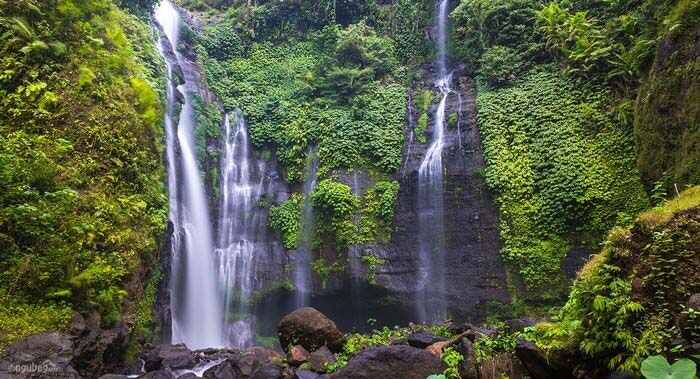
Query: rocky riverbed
[(310, 347)]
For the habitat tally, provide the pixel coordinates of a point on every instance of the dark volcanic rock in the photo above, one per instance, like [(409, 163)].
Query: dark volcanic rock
[(224, 370), (45, 355), (255, 358), (421, 340), (320, 358), (297, 355), (169, 356), (268, 371), (309, 328), (98, 350), (398, 361), (538, 365), (474, 272)]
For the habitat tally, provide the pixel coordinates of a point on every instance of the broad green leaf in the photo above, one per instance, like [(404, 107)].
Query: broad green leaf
[(683, 369), (656, 367)]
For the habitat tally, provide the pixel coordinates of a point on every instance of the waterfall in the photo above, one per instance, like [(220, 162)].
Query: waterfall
[(430, 299), (302, 272), (355, 251), (197, 312), (240, 228)]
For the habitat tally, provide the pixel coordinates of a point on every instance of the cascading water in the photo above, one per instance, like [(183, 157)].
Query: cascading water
[(302, 272), (197, 317), (240, 228), (431, 302)]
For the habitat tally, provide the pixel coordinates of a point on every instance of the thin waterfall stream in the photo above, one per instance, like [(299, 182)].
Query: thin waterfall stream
[(240, 227), (430, 299), (193, 282), (302, 271)]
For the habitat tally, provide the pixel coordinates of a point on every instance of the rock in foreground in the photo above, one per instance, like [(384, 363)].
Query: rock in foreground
[(311, 329), (397, 361)]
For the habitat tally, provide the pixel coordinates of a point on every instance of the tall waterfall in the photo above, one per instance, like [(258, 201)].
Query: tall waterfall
[(197, 312), (240, 228), (302, 272), (431, 302)]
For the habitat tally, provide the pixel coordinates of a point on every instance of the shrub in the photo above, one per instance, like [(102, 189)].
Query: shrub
[(285, 219), (500, 65), (559, 166)]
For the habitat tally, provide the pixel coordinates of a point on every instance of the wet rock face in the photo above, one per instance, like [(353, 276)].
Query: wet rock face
[(398, 361), (475, 273), (310, 329)]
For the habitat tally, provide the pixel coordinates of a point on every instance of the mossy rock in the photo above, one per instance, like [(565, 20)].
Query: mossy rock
[(632, 300), (667, 114)]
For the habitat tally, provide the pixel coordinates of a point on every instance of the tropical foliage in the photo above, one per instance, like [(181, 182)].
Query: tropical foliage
[(82, 203), (629, 300), (561, 167)]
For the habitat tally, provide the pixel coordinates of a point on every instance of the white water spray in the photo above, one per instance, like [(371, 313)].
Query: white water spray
[(431, 302), (197, 313)]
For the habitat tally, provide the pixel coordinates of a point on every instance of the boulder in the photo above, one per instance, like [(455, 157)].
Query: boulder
[(45, 355), (175, 357), (396, 361), (421, 340), (264, 355), (311, 329), (297, 355), (320, 358), (268, 371), (98, 350), (224, 370), (537, 364)]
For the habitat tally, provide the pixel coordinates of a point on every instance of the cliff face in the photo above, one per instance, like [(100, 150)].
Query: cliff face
[(667, 111), (474, 272)]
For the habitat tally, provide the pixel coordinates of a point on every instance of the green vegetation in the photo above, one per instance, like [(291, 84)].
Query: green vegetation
[(452, 359), (324, 270), (356, 342), (372, 262), (657, 367), (423, 105), (334, 205), (562, 169), (341, 218), (629, 301), (286, 220), (19, 319), (281, 90), (667, 114), (81, 202)]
